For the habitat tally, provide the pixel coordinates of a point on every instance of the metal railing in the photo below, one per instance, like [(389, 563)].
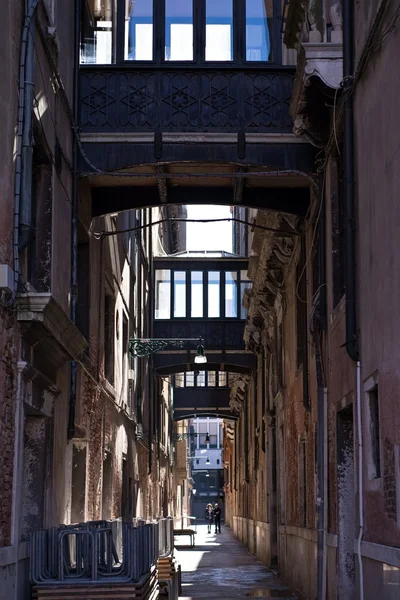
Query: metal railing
[(99, 551)]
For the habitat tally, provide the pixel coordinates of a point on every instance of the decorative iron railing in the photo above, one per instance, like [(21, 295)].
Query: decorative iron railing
[(183, 100)]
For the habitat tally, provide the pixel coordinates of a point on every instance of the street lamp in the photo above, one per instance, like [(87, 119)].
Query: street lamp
[(200, 357), (141, 348)]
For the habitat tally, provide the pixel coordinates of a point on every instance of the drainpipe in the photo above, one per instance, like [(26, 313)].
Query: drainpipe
[(351, 317), (74, 226), (350, 264), (25, 215), (360, 482), (24, 131), (318, 327)]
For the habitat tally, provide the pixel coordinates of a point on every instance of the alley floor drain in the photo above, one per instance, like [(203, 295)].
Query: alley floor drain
[(270, 593)]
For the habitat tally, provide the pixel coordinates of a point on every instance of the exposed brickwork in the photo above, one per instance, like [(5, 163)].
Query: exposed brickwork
[(389, 480), (7, 422)]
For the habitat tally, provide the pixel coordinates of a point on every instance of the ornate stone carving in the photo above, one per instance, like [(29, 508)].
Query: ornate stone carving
[(337, 22)]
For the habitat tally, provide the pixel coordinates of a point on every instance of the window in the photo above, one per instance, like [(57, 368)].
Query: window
[(179, 294), (258, 12), (214, 294), (245, 284), (190, 379), (231, 294), (109, 337), (222, 379), (301, 306), (125, 353), (219, 30), (197, 294), (163, 294), (201, 379), (373, 433), (98, 27), (139, 30), (180, 380), (212, 377), (178, 30)]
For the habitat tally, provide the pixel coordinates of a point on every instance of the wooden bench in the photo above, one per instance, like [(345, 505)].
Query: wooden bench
[(189, 532)]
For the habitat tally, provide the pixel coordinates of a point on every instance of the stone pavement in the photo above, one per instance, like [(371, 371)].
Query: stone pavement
[(220, 567)]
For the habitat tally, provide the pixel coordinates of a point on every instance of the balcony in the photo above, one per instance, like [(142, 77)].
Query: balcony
[(195, 99)]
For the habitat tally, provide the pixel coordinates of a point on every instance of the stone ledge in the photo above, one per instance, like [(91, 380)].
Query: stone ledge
[(10, 554), (384, 554), (45, 324)]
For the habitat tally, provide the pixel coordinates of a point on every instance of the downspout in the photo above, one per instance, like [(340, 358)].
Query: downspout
[(349, 208), (360, 482), (74, 226), (25, 215), (349, 200), (318, 327), (23, 138)]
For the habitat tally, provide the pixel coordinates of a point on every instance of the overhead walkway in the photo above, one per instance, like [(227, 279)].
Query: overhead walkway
[(221, 568), (202, 297)]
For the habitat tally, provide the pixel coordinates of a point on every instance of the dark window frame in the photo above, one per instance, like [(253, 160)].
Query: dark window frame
[(199, 37)]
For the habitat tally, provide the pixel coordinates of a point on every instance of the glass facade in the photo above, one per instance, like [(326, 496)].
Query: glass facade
[(219, 30), (204, 379), (201, 294), (179, 294), (214, 294), (178, 30), (138, 30), (196, 294), (163, 294), (231, 299), (258, 13), (177, 33)]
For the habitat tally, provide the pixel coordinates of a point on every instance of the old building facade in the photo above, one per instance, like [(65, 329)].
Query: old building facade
[(115, 116), (321, 323)]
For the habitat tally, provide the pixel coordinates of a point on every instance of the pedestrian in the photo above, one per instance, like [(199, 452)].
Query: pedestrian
[(209, 517), (217, 518)]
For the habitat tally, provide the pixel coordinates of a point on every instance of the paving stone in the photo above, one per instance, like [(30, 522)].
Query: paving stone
[(220, 567)]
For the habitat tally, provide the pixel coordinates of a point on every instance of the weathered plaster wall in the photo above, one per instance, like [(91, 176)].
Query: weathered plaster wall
[(377, 122)]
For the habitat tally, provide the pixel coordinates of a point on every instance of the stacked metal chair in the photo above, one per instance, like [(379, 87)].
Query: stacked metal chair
[(100, 556)]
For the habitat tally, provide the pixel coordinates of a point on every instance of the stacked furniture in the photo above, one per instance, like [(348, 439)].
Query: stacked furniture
[(98, 560)]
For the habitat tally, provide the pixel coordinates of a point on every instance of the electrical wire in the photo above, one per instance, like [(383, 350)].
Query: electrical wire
[(99, 234)]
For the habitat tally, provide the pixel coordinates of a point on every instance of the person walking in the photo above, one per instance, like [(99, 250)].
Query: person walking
[(217, 518), (209, 517)]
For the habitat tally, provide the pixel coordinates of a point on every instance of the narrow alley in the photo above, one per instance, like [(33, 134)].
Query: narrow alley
[(219, 567), (199, 299)]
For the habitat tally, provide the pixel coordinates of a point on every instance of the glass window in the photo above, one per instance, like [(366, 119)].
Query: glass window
[(231, 294), (214, 294), (202, 440), (190, 379), (139, 30), (222, 379), (97, 34), (219, 30), (180, 380), (163, 294), (258, 45), (201, 379), (212, 377), (244, 285), (178, 29), (197, 293), (213, 441), (179, 294)]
